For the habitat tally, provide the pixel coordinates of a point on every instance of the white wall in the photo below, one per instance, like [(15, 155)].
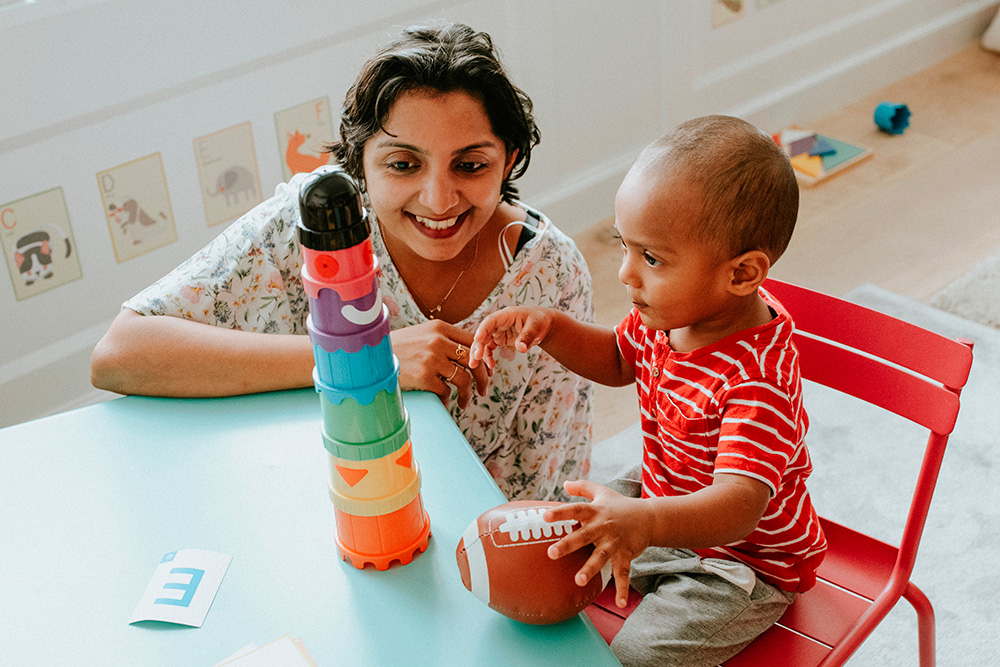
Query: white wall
[(90, 84)]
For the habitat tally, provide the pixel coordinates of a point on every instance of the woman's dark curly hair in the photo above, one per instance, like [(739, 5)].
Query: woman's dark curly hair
[(446, 58)]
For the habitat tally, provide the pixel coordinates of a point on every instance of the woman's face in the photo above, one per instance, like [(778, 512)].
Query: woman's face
[(434, 172)]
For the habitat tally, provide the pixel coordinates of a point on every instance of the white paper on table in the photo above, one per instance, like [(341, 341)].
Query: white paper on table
[(182, 588), (239, 654), (282, 652)]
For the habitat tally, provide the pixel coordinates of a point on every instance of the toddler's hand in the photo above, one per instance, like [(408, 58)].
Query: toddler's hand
[(518, 327), (617, 526)]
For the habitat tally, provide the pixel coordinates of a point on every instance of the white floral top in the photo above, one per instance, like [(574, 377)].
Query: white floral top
[(533, 428)]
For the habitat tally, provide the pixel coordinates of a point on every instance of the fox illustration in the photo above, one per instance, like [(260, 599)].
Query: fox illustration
[(299, 162)]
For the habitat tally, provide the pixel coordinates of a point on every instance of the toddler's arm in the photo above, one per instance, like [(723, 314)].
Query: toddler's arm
[(517, 327), (589, 350), (621, 528)]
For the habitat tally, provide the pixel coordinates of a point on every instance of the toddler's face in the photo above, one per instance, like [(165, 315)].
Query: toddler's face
[(674, 280)]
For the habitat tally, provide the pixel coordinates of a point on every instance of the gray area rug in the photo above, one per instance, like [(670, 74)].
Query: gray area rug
[(865, 461), (976, 295)]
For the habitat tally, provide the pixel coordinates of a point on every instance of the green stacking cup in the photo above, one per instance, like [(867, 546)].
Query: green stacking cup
[(351, 422)]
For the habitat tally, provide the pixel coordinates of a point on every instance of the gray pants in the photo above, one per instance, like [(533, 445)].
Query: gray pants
[(696, 612)]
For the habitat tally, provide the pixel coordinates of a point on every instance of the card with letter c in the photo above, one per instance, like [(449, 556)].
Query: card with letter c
[(182, 588)]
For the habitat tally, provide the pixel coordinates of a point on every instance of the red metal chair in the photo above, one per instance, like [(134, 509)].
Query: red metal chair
[(911, 372)]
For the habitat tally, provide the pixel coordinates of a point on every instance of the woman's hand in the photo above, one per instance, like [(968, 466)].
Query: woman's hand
[(434, 356)]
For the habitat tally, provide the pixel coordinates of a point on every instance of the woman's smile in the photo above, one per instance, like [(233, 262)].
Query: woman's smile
[(438, 228), (436, 224)]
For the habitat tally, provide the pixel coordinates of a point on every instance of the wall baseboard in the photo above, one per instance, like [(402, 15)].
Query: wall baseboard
[(852, 78), (587, 198), (60, 385)]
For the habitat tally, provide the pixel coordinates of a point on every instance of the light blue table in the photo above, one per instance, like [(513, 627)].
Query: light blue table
[(91, 499)]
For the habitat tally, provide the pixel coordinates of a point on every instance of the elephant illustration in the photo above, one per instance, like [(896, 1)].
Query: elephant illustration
[(234, 181)]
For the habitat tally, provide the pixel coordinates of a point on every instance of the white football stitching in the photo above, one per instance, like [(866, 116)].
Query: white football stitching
[(529, 525)]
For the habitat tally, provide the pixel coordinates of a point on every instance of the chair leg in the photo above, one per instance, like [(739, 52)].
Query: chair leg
[(925, 623)]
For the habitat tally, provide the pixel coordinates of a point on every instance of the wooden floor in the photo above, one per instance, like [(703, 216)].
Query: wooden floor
[(911, 219)]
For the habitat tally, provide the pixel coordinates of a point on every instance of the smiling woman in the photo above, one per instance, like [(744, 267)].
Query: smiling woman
[(434, 132)]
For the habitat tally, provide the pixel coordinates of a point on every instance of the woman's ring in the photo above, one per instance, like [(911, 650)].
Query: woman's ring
[(452, 376), (460, 352)]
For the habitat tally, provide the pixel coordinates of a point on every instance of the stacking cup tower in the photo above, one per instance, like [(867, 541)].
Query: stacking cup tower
[(374, 478)]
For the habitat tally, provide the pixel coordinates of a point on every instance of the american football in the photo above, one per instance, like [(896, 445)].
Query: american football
[(503, 560)]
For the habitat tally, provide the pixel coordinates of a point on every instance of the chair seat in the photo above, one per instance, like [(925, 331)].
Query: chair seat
[(605, 614), (855, 569), (780, 647)]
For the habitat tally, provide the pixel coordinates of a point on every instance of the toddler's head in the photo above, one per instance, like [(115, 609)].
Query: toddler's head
[(702, 215), (748, 196)]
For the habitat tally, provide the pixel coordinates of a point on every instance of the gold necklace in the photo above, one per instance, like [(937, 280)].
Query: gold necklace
[(437, 309)]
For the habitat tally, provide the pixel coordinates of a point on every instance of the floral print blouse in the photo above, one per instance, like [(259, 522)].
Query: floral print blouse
[(532, 430)]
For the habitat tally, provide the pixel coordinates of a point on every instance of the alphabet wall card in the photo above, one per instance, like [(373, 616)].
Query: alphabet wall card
[(227, 171), (183, 587), (303, 132), (38, 243), (137, 207)]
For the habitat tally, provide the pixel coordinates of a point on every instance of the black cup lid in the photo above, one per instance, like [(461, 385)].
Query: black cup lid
[(331, 215)]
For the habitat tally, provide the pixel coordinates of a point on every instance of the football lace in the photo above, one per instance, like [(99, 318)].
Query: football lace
[(529, 524)]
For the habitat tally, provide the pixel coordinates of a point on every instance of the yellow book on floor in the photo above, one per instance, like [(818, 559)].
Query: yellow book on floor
[(815, 156), (811, 165)]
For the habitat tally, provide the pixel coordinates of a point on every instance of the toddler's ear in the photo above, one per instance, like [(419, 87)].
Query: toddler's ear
[(749, 270)]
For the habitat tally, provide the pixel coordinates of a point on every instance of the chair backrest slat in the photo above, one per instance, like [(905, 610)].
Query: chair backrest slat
[(907, 395), (925, 352), (911, 372)]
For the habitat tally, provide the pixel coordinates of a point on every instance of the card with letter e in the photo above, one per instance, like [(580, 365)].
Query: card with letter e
[(182, 588)]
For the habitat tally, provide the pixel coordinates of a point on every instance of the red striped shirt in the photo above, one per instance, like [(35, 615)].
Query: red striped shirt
[(732, 407)]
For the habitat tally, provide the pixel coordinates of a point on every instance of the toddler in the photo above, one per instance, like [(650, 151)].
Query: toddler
[(715, 528)]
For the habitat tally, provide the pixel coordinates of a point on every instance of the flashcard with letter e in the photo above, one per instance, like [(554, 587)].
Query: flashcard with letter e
[(227, 172), (183, 587)]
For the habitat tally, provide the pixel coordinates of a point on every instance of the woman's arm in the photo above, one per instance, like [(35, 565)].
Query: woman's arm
[(154, 355), (171, 356)]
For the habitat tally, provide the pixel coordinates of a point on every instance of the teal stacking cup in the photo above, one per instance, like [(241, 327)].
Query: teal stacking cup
[(892, 118)]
